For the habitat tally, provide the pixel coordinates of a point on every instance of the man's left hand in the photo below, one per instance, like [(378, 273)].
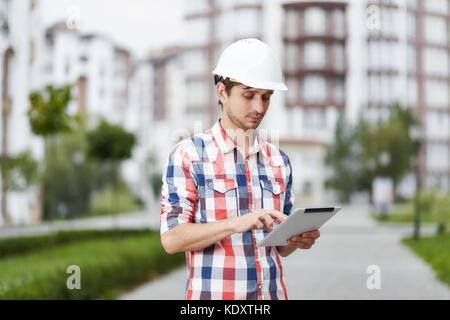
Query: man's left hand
[(304, 240)]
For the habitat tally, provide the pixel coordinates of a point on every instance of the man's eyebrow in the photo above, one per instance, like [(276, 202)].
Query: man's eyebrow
[(255, 90)]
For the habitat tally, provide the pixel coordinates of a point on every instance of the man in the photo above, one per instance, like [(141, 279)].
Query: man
[(224, 188)]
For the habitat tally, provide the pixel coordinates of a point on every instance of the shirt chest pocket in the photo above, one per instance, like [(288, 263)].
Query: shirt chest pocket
[(273, 193), (220, 201)]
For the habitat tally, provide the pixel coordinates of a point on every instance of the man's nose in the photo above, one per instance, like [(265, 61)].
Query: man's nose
[(258, 105)]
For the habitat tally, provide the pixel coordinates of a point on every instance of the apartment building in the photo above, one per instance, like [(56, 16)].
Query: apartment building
[(18, 21), (33, 57), (353, 57), (302, 121), (100, 70)]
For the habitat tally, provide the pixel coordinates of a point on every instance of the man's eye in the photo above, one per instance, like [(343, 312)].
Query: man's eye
[(248, 96), (266, 98)]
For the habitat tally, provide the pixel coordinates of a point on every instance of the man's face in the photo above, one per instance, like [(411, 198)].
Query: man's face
[(244, 106)]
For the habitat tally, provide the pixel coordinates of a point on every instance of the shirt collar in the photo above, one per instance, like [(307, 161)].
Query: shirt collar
[(226, 144)]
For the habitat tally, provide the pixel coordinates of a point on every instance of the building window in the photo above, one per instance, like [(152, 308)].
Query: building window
[(339, 22), (412, 4), (374, 88), (196, 6), (247, 2), (436, 30), (293, 85), (315, 89), (388, 21), (411, 26), (197, 93), (315, 54), (292, 28), (248, 23), (339, 57), (291, 57), (339, 91), (196, 62), (381, 55), (436, 6), (412, 59), (382, 89), (437, 156), (314, 118), (437, 125), (412, 92), (197, 31), (32, 51), (436, 93), (315, 20), (436, 61)]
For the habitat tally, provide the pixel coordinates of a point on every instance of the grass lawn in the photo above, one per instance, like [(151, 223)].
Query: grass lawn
[(404, 213), (435, 250), (108, 266)]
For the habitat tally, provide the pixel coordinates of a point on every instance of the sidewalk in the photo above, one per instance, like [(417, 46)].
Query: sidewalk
[(336, 267), (133, 220)]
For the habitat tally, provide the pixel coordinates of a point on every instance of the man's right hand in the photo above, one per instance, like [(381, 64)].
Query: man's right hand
[(258, 219)]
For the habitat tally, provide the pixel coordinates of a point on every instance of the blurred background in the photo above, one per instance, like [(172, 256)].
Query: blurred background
[(95, 95)]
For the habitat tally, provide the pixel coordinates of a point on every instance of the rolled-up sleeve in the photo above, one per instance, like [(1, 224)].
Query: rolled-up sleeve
[(179, 194)]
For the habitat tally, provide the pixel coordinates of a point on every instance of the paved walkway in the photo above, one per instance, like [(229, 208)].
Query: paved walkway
[(336, 267), (134, 220)]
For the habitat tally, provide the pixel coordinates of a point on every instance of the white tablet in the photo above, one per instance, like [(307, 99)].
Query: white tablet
[(299, 221)]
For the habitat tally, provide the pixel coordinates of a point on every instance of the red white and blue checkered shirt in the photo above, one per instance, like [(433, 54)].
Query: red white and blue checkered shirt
[(207, 179)]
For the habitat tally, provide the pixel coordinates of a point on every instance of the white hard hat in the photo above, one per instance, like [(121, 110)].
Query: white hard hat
[(252, 63)]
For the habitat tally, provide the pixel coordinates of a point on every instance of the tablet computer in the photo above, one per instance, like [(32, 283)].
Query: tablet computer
[(299, 221)]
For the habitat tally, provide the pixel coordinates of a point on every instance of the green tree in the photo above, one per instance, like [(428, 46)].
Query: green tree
[(48, 111), (71, 177), (361, 153), (19, 172), (441, 212), (342, 158), (48, 117), (110, 144), (387, 148)]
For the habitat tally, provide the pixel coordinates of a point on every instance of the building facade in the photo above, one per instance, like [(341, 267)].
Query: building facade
[(18, 37), (353, 57)]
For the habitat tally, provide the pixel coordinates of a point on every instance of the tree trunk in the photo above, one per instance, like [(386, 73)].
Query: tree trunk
[(6, 109)]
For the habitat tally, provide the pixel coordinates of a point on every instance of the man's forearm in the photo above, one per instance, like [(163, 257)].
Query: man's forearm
[(196, 236), (284, 251)]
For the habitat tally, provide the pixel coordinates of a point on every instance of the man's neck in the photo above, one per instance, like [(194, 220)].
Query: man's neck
[(243, 139)]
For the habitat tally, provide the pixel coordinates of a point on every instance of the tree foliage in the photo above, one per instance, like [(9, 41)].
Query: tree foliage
[(342, 157), (365, 151), (48, 110), (110, 142), (19, 172)]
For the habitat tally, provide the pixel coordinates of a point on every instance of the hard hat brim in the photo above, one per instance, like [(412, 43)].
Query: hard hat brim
[(265, 85)]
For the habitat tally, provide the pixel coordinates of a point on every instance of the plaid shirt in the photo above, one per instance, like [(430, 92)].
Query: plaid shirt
[(206, 179)]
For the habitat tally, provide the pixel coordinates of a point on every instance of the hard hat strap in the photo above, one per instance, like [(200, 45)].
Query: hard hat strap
[(218, 79)]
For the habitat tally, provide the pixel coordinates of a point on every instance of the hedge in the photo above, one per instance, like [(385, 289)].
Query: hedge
[(108, 265), (20, 245)]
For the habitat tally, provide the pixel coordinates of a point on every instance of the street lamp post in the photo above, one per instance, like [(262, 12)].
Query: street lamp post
[(416, 135)]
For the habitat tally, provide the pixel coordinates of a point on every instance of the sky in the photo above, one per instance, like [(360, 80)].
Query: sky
[(139, 25)]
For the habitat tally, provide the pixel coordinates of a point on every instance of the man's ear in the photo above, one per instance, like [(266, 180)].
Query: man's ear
[(221, 92)]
